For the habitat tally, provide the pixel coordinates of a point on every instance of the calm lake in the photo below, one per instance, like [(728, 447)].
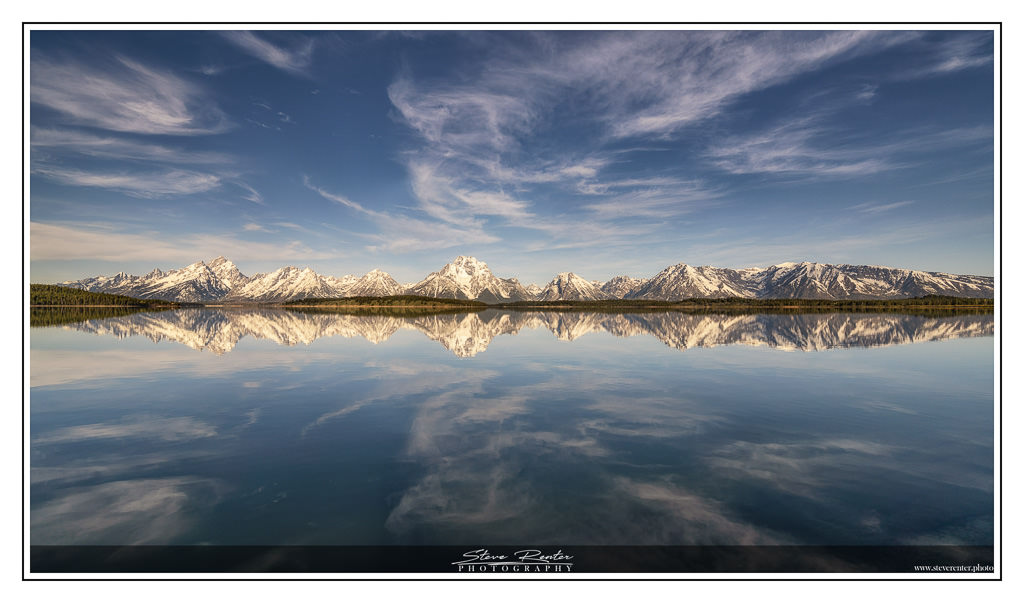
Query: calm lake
[(272, 427)]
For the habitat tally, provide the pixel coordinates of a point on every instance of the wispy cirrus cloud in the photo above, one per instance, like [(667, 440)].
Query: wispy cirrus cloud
[(337, 198), (145, 185), (877, 208), (251, 194), (401, 233), (949, 54), (446, 198), (49, 241), (632, 83), (653, 85), (468, 117), (296, 59), (78, 142), (123, 95), (471, 168), (812, 146), (802, 146), (656, 199), (53, 149)]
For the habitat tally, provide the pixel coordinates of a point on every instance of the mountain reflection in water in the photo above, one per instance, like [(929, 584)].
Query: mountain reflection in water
[(469, 334)]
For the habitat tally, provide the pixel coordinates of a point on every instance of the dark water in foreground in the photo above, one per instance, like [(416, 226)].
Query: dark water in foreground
[(270, 427)]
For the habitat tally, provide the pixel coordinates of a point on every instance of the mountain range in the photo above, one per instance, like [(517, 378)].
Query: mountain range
[(219, 280)]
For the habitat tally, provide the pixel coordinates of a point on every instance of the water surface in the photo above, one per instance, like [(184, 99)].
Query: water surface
[(273, 427)]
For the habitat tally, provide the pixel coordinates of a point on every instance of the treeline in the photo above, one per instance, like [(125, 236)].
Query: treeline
[(389, 301), (55, 295)]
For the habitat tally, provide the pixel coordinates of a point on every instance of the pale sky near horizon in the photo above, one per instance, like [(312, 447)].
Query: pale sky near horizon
[(599, 152)]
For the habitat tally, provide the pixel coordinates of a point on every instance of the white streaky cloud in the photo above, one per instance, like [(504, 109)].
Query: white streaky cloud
[(922, 140), (253, 227), (955, 54), (251, 193), (579, 170), (292, 226), (146, 185), (123, 96), (110, 147), (262, 125), (957, 63), (295, 60), (867, 93), (337, 198), (807, 146), (658, 202), (796, 147), (876, 208), (467, 211), (595, 187), (464, 118), (677, 84), (563, 171), (441, 196), (60, 242), (653, 83), (401, 233)]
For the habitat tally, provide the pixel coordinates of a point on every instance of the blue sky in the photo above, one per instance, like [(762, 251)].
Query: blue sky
[(599, 152)]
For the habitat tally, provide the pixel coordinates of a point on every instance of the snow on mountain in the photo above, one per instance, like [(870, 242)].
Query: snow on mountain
[(194, 283), (683, 282), (811, 280), (341, 284), (375, 283), (568, 286), (620, 286), (469, 278), (283, 284), (227, 272)]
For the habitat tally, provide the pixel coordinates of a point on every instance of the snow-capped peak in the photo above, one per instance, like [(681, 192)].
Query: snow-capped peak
[(468, 260), (569, 286), (466, 277), (375, 283)]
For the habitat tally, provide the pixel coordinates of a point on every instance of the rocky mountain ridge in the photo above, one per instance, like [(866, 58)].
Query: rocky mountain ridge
[(219, 280)]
